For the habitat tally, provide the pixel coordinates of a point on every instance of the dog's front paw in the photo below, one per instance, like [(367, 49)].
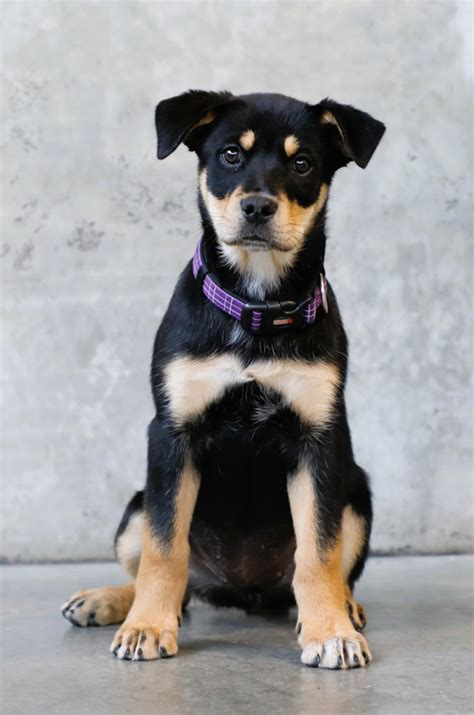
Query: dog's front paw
[(337, 653), (340, 650), (144, 642)]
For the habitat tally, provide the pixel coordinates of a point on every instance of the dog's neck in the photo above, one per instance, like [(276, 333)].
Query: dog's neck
[(267, 275)]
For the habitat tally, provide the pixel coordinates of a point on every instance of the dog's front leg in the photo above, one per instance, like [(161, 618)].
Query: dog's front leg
[(150, 629), (325, 631)]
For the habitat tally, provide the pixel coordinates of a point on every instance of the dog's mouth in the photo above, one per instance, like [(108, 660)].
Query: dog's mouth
[(255, 243)]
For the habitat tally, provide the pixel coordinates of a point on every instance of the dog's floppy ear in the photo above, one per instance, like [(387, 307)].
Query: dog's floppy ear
[(177, 118), (355, 134)]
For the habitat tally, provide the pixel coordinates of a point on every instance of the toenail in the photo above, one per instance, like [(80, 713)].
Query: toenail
[(73, 620)]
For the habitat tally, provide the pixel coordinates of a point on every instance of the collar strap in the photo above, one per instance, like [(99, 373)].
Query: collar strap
[(270, 316)]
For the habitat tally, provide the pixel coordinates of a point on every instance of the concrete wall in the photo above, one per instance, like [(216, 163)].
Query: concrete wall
[(95, 231)]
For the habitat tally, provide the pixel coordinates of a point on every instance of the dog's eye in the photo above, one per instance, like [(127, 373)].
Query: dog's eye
[(231, 155), (302, 165)]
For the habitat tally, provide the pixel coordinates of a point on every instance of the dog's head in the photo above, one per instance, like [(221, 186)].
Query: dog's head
[(265, 161)]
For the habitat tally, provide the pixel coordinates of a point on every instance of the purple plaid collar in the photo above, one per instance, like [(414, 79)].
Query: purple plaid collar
[(265, 317)]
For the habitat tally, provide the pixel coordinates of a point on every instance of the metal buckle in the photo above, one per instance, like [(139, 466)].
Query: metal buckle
[(324, 293)]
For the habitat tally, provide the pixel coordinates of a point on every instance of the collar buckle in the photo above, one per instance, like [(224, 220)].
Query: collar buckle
[(272, 316)]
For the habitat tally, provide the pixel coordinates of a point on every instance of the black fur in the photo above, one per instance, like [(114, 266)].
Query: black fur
[(242, 538)]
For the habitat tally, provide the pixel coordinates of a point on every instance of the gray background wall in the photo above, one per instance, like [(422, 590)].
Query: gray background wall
[(95, 231)]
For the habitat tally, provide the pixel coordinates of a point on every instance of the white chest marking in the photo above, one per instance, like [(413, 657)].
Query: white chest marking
[(192, 384), (309, 388)]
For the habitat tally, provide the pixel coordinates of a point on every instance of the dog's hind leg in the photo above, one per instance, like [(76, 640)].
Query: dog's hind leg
[(128, 542), (111, 604), (356, 527)]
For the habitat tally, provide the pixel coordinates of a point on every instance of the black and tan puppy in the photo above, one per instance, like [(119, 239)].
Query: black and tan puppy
[(251, 476)]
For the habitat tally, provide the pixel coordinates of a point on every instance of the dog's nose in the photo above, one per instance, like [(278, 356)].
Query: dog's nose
[(258, 209)]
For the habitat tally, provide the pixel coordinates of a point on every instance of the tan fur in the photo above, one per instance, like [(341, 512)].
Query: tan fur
[(247, 139), (353, 537), (264, 269), (153, 620), (291, 145), (207, 119), (225, 213), (299, 218), (329, 118), (192, 384), (357, 613), (318, 583), (309, 388), (108, 605), (129, 545), (318, 576)]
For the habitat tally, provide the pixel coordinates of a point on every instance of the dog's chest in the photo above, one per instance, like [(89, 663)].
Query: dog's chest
[(308, 388)]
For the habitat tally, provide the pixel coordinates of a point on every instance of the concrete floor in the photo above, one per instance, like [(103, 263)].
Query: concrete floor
[(420, 632)]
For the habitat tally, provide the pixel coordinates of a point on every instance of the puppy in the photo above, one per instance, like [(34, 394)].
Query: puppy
[(252, 498)]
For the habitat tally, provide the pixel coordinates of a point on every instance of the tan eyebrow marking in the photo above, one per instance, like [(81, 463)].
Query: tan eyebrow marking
[(291, 145), (247, 139)]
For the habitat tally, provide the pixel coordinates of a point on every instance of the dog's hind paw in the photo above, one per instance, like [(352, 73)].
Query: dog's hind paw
[(99, 606), (356, 614)]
